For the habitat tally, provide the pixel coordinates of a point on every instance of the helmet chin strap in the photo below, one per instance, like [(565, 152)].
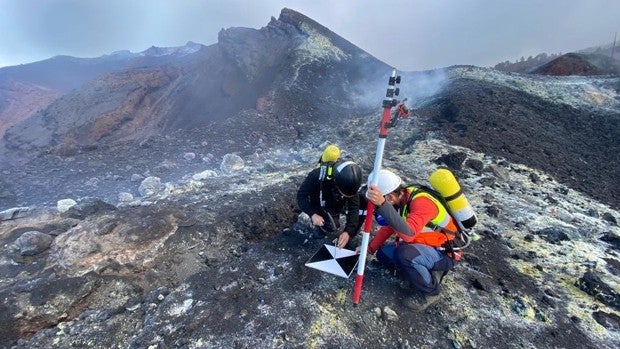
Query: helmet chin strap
[(401, 194)]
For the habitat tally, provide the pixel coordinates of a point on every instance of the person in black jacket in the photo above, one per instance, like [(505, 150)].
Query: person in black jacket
[(325, 196)]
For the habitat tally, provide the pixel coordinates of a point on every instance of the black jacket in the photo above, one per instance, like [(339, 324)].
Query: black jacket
[(308, 201)]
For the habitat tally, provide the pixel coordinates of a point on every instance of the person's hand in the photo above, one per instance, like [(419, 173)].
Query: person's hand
[(343, 239), (317, 220), (374, 194)]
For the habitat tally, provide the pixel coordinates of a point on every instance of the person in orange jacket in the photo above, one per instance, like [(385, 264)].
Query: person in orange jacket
[(401, 109), (417, 253)]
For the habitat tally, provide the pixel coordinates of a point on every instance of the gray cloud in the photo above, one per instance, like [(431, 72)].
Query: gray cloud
[(408, 34)]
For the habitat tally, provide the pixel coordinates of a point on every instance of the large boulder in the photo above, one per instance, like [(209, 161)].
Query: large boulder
[(33, 242)]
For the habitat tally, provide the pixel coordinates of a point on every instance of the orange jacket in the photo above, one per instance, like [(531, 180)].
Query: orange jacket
[(421, 211), (402, 110)]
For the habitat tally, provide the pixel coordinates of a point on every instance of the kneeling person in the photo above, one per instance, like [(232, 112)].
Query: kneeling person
[(325, 199), (417, 252)]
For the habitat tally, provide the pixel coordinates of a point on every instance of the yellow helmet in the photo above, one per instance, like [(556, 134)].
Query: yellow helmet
[(331, 153)]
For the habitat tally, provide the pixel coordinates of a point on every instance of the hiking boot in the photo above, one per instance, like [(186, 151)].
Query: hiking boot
[(421, 303)]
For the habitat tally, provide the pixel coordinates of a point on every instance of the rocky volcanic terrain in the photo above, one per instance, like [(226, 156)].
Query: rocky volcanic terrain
[(568, 127), (191, 237), (217, 261)]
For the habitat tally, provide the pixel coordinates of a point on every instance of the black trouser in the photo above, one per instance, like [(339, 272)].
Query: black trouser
[(331, 219)]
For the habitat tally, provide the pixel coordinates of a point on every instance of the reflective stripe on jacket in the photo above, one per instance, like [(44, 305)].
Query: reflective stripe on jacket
[(442, 218), (428, 235)]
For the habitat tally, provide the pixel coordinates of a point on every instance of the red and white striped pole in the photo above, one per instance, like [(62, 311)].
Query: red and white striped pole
[(388, 103)]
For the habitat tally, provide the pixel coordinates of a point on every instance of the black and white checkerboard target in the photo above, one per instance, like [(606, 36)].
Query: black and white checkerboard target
[(333, 260)]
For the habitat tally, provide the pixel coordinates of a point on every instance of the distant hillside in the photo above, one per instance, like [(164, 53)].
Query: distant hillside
[(30, 88), (524, 65), (65, 73), (20, 100), (580, 64), (593, 55), (62, 73)]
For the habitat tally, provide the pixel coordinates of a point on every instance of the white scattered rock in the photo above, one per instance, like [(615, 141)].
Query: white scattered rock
[(150, 186), (181, 309), (65, 204), (389, 314), (136, 177), (169, 188), (125, 197), (195, 185), (231, 163), (204, 175)]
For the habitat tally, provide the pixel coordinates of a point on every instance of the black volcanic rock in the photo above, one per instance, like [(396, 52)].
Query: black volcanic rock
[(579, 146), (255, 51)]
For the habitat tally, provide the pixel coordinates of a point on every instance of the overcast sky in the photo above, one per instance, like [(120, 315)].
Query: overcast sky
[(409, 35)]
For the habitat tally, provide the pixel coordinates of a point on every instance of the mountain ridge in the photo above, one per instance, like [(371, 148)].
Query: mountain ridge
[(270, 66)]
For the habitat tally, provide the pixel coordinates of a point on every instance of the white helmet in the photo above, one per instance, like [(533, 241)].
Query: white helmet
[(387, 181)]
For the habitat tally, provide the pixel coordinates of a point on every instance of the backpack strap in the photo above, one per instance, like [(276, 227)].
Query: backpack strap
[(424, 189), (459, 234), (326, 172)]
